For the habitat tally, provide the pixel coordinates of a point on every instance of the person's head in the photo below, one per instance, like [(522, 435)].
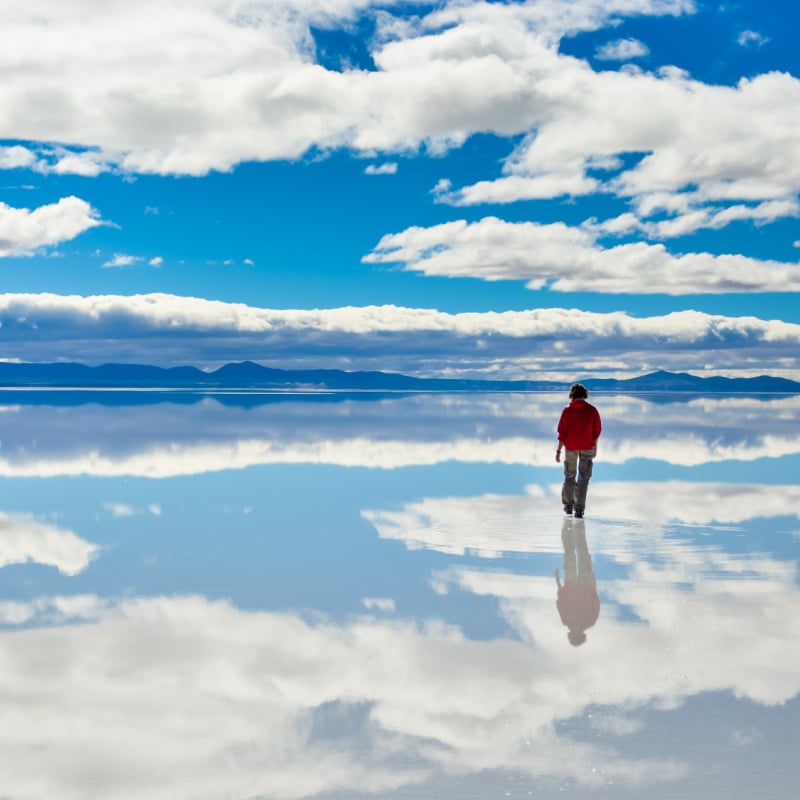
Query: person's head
[(578, 392), (576, 638)]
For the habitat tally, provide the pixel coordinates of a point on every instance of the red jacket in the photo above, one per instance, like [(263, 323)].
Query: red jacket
[(579, 426)]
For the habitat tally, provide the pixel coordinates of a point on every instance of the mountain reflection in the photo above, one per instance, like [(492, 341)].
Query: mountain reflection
[(165, 439)]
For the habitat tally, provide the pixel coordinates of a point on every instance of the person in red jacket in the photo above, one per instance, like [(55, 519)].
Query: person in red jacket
[(578, 431)]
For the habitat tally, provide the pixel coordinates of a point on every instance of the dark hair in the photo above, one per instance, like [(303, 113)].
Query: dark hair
[(578, 392)]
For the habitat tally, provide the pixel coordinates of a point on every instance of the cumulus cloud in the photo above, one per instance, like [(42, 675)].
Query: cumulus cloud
[(194, 86), (23, 230), (248, 86), (86, 163), (716, 144), (181, 330), (684, 215), (622, 50), (49, 160), (567, 259), (24, 540), (16, 157)]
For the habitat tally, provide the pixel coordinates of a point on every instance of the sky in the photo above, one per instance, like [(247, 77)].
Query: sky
[(550, 188)]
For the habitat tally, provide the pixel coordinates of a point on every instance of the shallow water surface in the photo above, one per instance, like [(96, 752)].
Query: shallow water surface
[(340, 596)]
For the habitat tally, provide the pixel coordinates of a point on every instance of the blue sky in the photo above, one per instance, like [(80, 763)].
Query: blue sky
[(462, 188)]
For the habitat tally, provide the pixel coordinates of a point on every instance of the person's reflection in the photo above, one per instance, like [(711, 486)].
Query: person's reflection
[(578, 603)]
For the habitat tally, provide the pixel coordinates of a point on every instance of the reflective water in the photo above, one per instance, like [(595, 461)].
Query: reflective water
[(288, 597)]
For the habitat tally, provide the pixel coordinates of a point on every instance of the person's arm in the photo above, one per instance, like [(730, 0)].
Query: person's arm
[(561, 435)]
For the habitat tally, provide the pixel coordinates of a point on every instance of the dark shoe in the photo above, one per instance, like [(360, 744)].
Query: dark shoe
[(578, 514), (568, 509)]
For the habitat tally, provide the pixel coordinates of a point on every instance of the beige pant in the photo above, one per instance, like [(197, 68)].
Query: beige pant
[(577, 472)]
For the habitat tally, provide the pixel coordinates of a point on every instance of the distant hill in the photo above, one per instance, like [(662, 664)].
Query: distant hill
[(245, 375), (248, 376), (684, 382)]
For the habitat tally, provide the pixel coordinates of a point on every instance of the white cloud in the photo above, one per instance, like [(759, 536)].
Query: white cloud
[(119, 509), (87, 164), (687, 215), (53, 160), (127, 260), (723, 145), (16, 157), (51, 610), (122, 260), (185, 330), (387, 168), (246, 87), (751, 39), (193, 85), (622, 50), (23, 231), (568, 259), (96, 329), (24, 540), (383, 604)]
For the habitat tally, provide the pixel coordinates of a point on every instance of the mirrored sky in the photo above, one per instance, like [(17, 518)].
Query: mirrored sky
[(332, 597)]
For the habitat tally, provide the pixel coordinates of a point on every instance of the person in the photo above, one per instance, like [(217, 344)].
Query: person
[(577, 600), (578, 430)]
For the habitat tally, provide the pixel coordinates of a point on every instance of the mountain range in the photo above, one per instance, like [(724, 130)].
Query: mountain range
[(251, 377)]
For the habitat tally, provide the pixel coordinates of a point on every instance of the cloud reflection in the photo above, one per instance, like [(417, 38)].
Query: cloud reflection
[(182, 696), (169, 439), (24, 540), (492, 524), (278, 706)]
